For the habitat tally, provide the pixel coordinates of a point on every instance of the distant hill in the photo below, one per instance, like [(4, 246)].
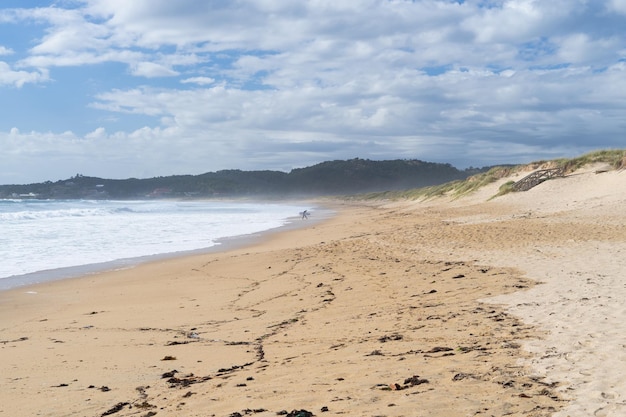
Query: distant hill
[(327, 178)]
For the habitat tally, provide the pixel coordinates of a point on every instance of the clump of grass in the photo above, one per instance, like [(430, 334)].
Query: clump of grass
[(616, 158), (507, 187), (476, 182)]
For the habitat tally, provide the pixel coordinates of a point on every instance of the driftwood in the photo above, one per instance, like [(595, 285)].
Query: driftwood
[(537, 178)]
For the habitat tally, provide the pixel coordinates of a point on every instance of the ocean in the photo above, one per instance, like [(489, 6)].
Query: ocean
[(42, 240)]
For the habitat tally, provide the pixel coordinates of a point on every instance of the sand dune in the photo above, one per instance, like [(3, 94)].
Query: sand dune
[(425, 308)]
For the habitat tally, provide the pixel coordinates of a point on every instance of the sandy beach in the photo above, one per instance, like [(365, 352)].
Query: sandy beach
[(448, 307)]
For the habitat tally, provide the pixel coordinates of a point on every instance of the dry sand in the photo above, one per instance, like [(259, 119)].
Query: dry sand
[(395, 309)]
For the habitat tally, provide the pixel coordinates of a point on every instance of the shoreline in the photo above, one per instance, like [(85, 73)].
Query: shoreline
[(383, 309), (221, 245)]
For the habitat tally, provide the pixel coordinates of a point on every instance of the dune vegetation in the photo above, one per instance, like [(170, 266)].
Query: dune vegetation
[(614, 159)]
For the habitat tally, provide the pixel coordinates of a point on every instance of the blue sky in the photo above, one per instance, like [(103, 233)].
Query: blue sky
[(143, 88)]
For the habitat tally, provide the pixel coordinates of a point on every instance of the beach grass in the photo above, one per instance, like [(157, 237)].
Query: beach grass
[(615, 158)]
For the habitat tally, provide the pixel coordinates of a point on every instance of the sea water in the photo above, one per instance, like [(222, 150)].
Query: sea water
[(44, 239)]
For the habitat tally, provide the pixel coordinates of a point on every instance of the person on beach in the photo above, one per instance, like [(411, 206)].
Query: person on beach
[(305, 215)]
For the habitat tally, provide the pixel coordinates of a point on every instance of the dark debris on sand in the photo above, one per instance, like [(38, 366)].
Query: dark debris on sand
[(115, 409), (296, 413)]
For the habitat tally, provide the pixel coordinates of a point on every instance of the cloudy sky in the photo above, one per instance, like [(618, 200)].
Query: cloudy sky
[(143, 88)]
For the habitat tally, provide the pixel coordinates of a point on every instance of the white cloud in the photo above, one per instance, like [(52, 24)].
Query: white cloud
[(422, 33), (198, 80), (618, 6), (99, 133), (580, 48), (406, 104), (516, 19), (5, 51), (151, 69), (19, 78)]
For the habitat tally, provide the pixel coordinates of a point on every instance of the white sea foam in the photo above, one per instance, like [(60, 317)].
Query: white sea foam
[(38, 235)]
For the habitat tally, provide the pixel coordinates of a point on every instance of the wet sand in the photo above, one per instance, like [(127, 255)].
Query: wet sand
[(389, 309)]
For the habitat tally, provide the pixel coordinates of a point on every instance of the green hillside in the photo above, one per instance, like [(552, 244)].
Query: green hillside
[(327, 178)]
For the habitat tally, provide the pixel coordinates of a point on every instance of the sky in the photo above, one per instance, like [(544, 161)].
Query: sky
[(147, 88)]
